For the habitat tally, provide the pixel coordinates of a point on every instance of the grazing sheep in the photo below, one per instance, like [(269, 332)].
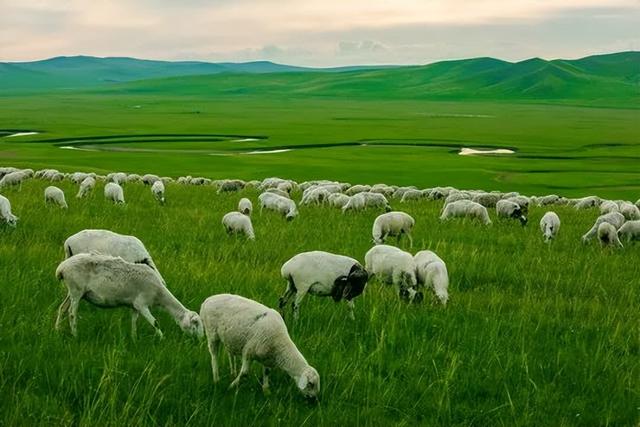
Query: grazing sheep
[(107, 281), (77, 177), (488, 200), (396, 267), (157, 189), (511, 210), (608, 206), (56, 196), (5, 212), (316, 196), (117, 178), (357, 189), (231, 185), (13, 179), (236, 222), (457, 196), (412, 195), (200, 181), (550, 225), (245, 206), (134, 177), (278, 192), (392, 224), (587, 202), (86, 186), (465, 209), (286, 186), (608, 235), (629, 210), (614, 218), (150, 179), (356, 202), (114, 193), (522, 201), (431, 272), (286, 207), (338, 200), (322, 274), (376, 200), (255, 332), (548, 200), (630, 231)]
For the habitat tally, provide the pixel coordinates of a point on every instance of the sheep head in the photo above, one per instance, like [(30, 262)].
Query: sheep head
[(192, 324), (309, 383)]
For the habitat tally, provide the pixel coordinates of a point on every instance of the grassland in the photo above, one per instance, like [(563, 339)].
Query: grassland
[(534, 334)]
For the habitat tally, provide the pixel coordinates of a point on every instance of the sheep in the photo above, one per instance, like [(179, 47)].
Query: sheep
[(608, 206), (108, 281), (396, 267), (392, 224), (117, 178), (149, 179), (86, 186), (130, 248), (322, 274), (550, 225), (157, 189), (629, 210), (356, 202), (488, 200), (245, 206), (13, 179), (278, 192), (166, 180), (236, 222), (56, 196), (412, 195), (230, 185), (522, 201), (608, 235), (286, 207), (357, 189), (338, 200), (548, 200), (510, 209), (255, 332), (376, 200), (587, 202), (456, 196), (5, 212), (629, 231), (199, 181), (431, 271), (315, 196), (134, 177), (614, 218), (113, 192), (77, 177), (465, 209)]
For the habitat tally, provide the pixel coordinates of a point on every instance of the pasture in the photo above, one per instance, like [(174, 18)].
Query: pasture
[(534, 334)]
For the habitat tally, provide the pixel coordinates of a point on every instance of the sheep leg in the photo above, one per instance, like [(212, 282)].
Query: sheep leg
[(286, 296), (296, 304), (410, 239), (74, 302), (134, 324), (265, 380), (61, 311), (351, 306), (213, 351), (232, 364), (244, 370), (149, 318)]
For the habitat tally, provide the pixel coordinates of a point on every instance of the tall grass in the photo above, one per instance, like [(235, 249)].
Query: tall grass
[(534, 334)]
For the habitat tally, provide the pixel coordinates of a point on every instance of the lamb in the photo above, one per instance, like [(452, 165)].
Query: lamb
[(550, 225), (431, 271), (286, 207), (236, 222), (392, 224), (629, 231), (465, 209), (157, 189), (86, 186), (614, 218), (130, 248), (322, 274), (629, 210), (56, 196), (245, 206), (113, 192), (510, 209), (356, 202), (5, 212), (107, 281), (255, 332), (608, 235), (394, 266), (338, 200)]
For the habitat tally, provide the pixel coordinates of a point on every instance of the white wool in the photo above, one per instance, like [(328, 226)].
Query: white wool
[(117, 178), (431, 272), (14, 179), (456, 196), (149, 179), (466, 209), (357, 189), (488, 200), (394, 266), (614, 218), (412, 194), (522, 201), (245, 206), (78, 177), (629, 210), (608, 206), (157, 189), (134, 177), (629, 231), (108, 281), (56, 196), (356, 202), (587, 202), (86, 186), (113, 192), (548, 200), (231, 185), (285, 206), (550, 225), (338, 200), (5, 212), (608, 235), (278, 192), (236, 222), (316, 195), (376, 200), (392, 224), (508, 209), (256, 333)]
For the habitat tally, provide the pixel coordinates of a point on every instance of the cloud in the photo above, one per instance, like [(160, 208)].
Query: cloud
[(361, 47)]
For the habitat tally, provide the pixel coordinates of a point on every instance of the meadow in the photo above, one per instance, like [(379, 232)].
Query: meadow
[(534, 334)]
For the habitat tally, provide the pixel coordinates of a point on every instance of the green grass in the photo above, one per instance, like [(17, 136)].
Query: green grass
[(533, 335)]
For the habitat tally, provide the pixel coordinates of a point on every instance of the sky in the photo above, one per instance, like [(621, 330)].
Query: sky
[(317, 32)]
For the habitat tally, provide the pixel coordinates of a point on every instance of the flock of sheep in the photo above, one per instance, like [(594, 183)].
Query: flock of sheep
[(108, 269)]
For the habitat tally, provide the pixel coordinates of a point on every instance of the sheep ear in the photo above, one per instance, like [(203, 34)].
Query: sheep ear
[(302, 382)]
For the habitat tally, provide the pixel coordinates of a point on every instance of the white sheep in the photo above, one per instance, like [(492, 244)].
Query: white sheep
[(522, 201), (392, 224), (157, 189), (356, 202), (608, 235), (396, 267), (550, 225), (357, 189), (286, 207), (511, 210), (236, 222), (107, 281), (322, 274), (255, 332), (614, 218), (149, 179), (114, 193), (465, 209), (55, 196), (412, 194), (14, 179), (5, 212), (488, 200), (608, 206), (315, 195), (117, 177), (338, 200), (376, 200), (86, 186), (587, 202), (231, 185), (245, 206), (629, 231), (278, 192), (548, 200), (629, 210), (431, 272)]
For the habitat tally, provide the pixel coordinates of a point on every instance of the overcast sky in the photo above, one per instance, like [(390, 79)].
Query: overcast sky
[(317, 32)]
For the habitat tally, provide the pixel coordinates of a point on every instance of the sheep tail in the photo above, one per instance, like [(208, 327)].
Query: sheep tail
[(59, 272)]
